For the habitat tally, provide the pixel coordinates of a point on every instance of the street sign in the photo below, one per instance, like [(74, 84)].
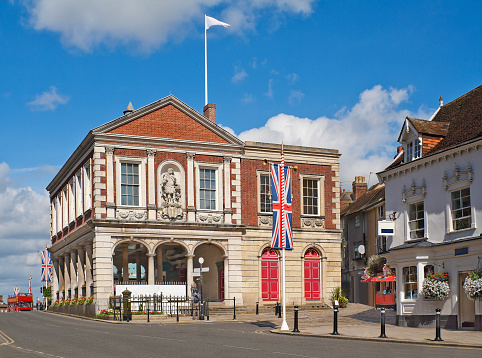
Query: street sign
[(197, 273), (386, 228)]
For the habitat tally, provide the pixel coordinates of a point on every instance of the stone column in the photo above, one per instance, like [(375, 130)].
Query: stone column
[(189, 276), (67, 275), (228, 212), (60, 264), (125, 264), (226, 277), (55, 279), (73, 272), (159, 264), (109, 153), (138, 267), (151, 175), (150, 269), (80, 270), (89, 280), (191, 207)]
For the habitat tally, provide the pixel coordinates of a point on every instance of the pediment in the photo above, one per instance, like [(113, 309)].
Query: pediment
[(168, 118)]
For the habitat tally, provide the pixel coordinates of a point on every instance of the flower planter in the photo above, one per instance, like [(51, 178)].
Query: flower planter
[(436, 287), (473, 285)]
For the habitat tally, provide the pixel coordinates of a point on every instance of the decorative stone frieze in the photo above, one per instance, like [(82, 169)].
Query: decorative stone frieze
[(265, 220), (314, 223), (210, 218), (125, 214)]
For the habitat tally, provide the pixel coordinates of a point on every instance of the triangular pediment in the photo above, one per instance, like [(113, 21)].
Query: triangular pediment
[(168, 118)]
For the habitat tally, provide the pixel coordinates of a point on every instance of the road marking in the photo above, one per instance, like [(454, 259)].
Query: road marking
[(7, 339), (37, 352)]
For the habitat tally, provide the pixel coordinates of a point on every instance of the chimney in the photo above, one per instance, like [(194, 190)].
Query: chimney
[(130, 109), (209, 112), (359, 187), (440, 102), (399, 149)]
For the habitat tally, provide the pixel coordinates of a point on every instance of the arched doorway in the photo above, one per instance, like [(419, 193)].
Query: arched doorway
[(171, 264), (130, 263), (269, 275), (213, 271), (312, 273)]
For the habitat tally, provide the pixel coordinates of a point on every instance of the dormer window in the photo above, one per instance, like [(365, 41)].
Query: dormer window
[(414, 150)]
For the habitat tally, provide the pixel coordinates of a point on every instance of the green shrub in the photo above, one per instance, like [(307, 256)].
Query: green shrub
[(337, 294)]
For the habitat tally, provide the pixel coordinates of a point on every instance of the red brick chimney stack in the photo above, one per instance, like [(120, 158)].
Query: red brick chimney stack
[(209, 111), (359, 187)]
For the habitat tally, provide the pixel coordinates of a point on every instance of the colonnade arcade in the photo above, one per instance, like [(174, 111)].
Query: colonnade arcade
[(139, 261), (73, 274)]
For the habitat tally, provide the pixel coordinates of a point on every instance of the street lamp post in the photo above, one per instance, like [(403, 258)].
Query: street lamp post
[(201, 261)]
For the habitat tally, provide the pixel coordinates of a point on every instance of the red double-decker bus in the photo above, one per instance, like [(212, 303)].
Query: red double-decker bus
[(20, 302)]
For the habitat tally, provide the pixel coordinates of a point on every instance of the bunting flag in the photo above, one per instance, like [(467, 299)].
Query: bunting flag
[(30, 285), (46, 265), (282, 237)]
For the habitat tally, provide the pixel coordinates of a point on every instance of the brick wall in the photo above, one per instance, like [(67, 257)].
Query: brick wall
[(428, 142), (165, 123)]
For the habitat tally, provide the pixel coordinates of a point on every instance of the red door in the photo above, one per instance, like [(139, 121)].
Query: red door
[(312, 275), (269, 275)]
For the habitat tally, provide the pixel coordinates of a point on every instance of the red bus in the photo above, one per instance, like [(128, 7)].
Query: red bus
[(19, 303)]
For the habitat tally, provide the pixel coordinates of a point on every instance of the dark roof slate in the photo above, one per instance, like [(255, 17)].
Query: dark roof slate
[(429, 127), (372, 196)]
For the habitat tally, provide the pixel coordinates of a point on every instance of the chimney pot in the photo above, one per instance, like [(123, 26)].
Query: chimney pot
[(129, 109), (209, 111), (359, 187), (440, 102)]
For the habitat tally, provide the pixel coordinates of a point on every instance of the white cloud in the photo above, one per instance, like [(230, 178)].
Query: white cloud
[(24, 229), (248, 98), (145, 23), (239, 74), (292, 78), (295, 97), (377, 115), (48, 101)]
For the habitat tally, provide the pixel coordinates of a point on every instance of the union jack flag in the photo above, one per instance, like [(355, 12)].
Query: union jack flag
[(16, 291), (46, 265), (282, 214)]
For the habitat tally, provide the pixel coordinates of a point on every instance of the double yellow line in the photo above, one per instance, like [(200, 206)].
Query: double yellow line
[(6, 338)]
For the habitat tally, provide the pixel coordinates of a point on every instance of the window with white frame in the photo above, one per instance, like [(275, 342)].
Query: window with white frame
[(264, 199), (54, 216), (381, 212), (65, 208), (58, 205), (357, 255), (416, 222), (381, 244), (461, 209), (409, 282), (78, 194), (130, 184), (87, 187), (311, 197), (409, 151), (207, 189), (417, 148), (71, 201)]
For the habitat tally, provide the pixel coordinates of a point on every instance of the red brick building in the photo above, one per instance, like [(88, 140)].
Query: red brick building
[(147, 194)]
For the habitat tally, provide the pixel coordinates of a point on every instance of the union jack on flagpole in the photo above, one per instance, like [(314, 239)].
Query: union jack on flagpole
[(46, 265), (282, 237), (16, 291)]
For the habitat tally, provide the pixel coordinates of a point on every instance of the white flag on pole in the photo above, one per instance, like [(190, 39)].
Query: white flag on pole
[(211, 21)]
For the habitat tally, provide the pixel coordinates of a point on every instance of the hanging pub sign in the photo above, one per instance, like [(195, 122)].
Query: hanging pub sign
[(386, 228)]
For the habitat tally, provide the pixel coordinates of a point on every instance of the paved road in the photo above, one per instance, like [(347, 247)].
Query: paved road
[(38, 334)]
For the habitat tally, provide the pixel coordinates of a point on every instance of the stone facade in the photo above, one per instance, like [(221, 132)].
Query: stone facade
[(147, 194)]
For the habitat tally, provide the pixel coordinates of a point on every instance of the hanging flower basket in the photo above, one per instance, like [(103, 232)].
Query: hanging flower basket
[(473, 285), (436, 287), (375, 266)]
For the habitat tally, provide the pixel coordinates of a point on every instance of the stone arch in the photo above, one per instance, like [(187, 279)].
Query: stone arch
[(313, 260), (171, 190), (130, 261), (170, 261), (317, 247), (210, 242), (213, 283)]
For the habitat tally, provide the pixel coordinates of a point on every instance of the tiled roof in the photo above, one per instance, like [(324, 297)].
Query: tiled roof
[(464, 115), (429, 127), (374, 195)]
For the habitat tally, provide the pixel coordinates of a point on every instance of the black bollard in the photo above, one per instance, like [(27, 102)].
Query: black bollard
[(276, 309), (382, 323), (148, 312), (234, 309), (296, 320), (177, 309), (279, 310), (257, 308), (437, 328), (207, 310), (335, 321)]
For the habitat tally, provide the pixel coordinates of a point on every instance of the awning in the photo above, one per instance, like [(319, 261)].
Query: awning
[(380, 279)]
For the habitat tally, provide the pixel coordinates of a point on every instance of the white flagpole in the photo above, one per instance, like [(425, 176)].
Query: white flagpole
[(205, 62), (284, 325)]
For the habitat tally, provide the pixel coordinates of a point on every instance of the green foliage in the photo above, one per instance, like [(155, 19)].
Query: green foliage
[(47, 292), (337, 294)]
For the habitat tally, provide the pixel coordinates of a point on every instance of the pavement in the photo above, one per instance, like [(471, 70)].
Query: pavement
[(355, 322)]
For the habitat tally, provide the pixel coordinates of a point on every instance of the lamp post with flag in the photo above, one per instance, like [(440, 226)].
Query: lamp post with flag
[(46, 269), (282, 238)]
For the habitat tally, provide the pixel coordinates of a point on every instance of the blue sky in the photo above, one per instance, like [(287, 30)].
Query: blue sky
[(329, 74)]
